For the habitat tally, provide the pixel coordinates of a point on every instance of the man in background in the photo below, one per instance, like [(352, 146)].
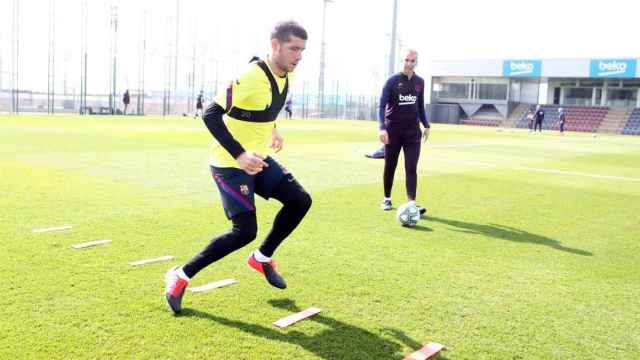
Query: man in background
[(539, 118), (562, 118), (401, 113), (199, 104), (126, 99)]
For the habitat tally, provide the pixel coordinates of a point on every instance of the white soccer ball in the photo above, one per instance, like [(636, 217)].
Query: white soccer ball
[(408, 215)]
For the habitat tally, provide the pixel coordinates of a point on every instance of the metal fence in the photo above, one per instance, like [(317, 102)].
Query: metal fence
[(170, 70), (304, 105)]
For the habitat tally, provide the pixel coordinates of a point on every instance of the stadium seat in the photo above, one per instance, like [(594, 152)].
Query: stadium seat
[(632, 127)]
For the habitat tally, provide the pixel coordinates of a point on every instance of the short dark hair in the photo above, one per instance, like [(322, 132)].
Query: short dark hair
[(285, 29)]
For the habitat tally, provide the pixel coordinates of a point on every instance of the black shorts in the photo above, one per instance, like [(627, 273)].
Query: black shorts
[(199, 106), (237, 188)]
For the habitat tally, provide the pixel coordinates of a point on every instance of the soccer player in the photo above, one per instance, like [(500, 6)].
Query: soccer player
[(530, 114), (240, 169), (562, 117), (401, 112), (539, 118), (199, 103)]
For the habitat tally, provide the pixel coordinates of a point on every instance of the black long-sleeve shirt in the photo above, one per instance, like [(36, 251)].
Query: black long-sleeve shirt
[(402, 102)]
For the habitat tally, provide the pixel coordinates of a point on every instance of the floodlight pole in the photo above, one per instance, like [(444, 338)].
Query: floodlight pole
[(51, 59), (394, 35), (192, 85), (15, 46), (323, 46), (166, 94), (142, 50), (1, 65), (175, 78), (114, 57), (83, 58)]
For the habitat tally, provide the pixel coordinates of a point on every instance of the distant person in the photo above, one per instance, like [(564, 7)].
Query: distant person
[(562, 116), (539, 118), (199, 104), (287, 108), (530, 113), (401, 113), (126, 99)]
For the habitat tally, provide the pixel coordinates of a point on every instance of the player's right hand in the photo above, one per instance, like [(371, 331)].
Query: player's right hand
[(251, 163), (425, 134), (384, 137)]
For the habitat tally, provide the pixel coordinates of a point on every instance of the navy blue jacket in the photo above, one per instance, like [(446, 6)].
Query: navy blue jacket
[(402, 102)]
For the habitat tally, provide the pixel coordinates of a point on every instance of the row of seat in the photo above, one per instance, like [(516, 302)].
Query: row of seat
[(587, 119), (632, 127), (578, 118)]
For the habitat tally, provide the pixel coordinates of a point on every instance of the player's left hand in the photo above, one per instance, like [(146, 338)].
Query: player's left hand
[(425, 134), (276, 140)]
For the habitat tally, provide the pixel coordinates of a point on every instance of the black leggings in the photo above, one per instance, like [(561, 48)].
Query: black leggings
[(409, 141), (538, 125), (296, 202)]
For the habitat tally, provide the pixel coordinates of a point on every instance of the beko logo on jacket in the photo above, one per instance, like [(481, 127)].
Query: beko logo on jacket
[(407, 99)]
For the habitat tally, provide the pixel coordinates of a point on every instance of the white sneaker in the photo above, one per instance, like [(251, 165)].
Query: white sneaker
[(386, 205)]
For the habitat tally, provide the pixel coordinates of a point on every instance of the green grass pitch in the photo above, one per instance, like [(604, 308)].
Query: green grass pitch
[(530, 248)]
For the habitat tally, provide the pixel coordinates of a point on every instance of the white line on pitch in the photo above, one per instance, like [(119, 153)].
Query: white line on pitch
[(548, 171)]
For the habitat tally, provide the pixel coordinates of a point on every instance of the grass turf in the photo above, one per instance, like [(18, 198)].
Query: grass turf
[(529, 250)]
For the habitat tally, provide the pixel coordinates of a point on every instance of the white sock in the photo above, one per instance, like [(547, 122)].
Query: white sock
[(260, 257), (387, 198), (182, 275), (411, 203)]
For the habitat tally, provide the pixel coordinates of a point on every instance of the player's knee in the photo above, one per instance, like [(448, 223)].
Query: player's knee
[(246, 234), (304, 201), (245, 229), (299, 200)]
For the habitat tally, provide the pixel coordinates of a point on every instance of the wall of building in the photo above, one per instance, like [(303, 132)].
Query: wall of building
[(549, 68), (534, 81)]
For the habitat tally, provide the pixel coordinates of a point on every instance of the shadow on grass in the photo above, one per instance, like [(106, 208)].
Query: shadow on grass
[(504, 232), (419, 228), (336, 340)]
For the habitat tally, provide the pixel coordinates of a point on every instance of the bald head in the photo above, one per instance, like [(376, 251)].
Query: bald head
[(411, 51), (410, 61)]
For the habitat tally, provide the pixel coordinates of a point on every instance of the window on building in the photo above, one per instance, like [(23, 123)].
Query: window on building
[(492, 91), (622, 97), (631, 84), (578, 96), (452, 90), (594, 83)]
